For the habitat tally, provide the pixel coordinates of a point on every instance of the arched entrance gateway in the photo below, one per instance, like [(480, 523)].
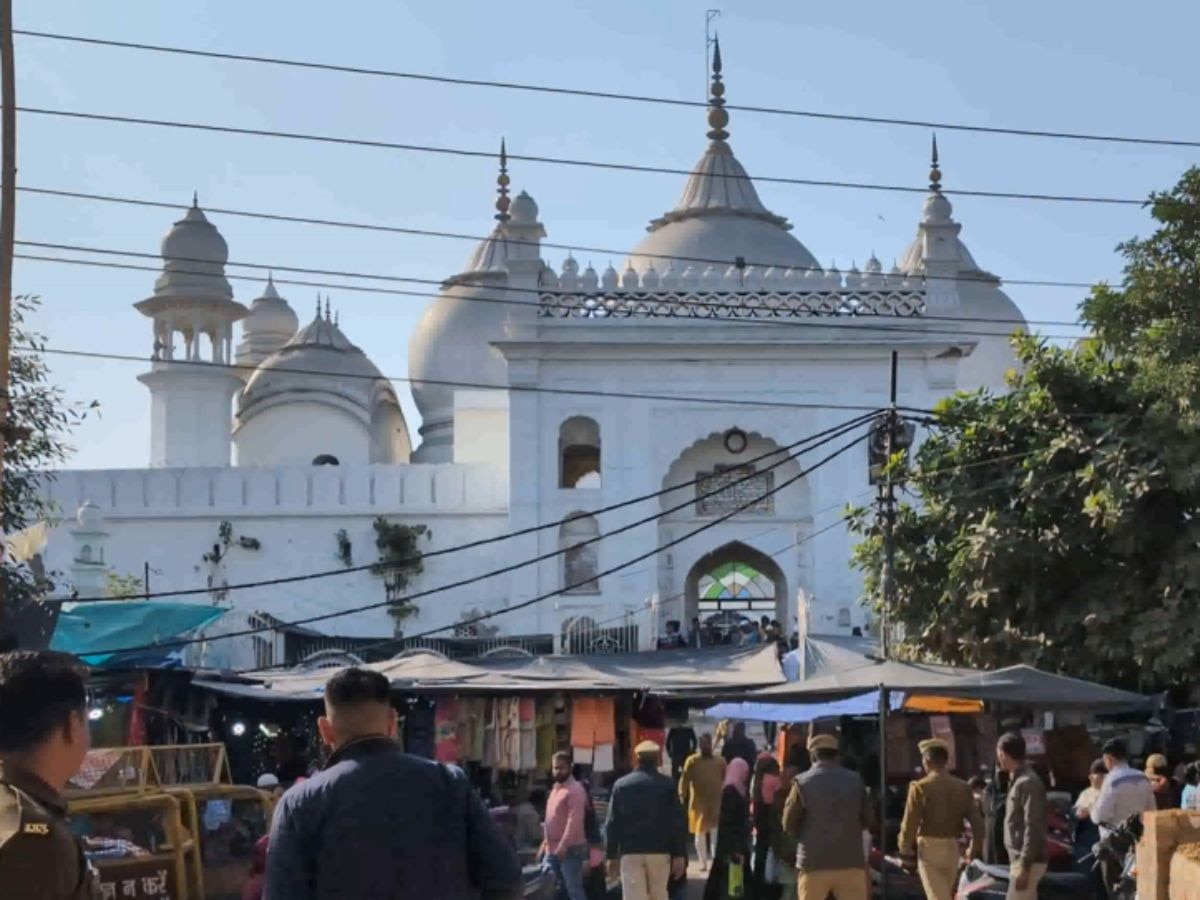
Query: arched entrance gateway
[(733, 584)]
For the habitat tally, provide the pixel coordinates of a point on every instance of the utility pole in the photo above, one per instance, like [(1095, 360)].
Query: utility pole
[(8, 220)]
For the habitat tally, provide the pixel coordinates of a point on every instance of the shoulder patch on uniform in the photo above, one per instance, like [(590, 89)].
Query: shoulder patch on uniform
[(35, 828)]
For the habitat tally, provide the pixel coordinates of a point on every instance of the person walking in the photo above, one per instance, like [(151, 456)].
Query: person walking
[(1024, 819), (43, 742), (1124, 794), (645, 833), (1167, 791), (781, 862), (763, 788), (700, 786), (738, 745), (377, 823), (826, 813), (681, 744), (733, 833), (937, 808), (566, 843)]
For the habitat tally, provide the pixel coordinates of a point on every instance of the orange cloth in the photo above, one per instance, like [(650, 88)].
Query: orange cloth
[(583, 723), (606, 721)]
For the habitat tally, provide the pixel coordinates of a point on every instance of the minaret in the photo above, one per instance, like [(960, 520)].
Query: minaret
[(192, 388), (271, 324), (936, 253), (88, 568)]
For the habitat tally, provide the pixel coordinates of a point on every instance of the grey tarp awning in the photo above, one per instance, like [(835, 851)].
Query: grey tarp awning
[(1016, 684), (682, 672)]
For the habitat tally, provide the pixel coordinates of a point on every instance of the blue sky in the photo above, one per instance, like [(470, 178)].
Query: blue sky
[(1057, 66)]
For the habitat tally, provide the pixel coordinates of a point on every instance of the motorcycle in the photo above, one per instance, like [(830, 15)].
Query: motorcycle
[(984, 881), (1119, 846)]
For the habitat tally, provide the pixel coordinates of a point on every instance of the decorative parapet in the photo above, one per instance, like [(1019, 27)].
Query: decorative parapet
[(905, 303)]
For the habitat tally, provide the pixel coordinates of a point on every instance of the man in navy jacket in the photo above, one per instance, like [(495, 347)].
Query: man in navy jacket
[(378, 824)]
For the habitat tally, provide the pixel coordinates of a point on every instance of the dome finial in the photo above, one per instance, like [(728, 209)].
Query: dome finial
[(718, 117), (327, 319), (502, 182), (318, 304), (935, 172), (195, 199)]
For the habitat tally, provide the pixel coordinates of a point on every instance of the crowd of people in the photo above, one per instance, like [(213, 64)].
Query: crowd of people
[(376, 822)]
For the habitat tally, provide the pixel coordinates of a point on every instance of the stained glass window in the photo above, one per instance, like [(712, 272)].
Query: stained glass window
[(736, 585)]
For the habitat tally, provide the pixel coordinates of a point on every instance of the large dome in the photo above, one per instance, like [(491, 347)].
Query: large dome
[(719, 216), (452, 345)]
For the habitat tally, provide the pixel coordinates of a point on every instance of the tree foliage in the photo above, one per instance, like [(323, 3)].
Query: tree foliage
[(39, 421), (1057, 524), (400, 560)]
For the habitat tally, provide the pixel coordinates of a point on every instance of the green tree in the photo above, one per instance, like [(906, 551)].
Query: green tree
[(40, 419), (1058, 524), (400, 560)]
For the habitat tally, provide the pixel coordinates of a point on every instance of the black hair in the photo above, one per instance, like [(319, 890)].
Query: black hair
[(354, 686), (1012, 745), (1191, 773), (977, 783), (939, 756), (38, 692), (1115, 747), (794, 759), (825, 755), (1098, 767)]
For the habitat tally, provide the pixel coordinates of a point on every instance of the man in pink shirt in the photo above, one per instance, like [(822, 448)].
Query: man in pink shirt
[(566, 846)]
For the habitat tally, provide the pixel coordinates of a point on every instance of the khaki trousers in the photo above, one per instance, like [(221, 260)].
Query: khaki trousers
[(843, 884), (644, 876), (937, 864), (1036, 871)]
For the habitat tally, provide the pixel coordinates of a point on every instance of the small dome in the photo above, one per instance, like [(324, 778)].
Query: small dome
[(524, 210), (874, 266), (271, 314), (194, 239), (937, 208), (194, 256), (89, 516)]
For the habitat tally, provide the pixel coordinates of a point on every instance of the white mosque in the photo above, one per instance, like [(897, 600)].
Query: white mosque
[(546, 396)]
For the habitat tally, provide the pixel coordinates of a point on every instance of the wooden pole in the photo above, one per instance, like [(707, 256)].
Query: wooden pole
[(8, 221)]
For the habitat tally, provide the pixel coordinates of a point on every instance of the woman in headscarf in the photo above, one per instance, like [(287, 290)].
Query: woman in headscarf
[(733, 831), (765, 786)]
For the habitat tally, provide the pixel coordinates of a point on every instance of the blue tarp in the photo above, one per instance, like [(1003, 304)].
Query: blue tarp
[(862, 705), (150, 624)]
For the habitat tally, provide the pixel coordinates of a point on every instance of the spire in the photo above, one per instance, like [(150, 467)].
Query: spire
[(195, 199), (935, 172), (327, 319), (718, 118), (502, 182), (336, 317), (318, 305)]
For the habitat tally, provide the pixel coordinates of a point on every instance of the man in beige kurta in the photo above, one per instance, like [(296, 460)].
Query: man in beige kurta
[(700, 791)]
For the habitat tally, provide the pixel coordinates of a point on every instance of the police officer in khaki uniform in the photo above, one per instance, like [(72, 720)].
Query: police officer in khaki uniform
[(937, 808), (43, 741)]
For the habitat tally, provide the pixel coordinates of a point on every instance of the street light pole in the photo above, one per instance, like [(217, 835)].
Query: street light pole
[(8, 197), (888, 498)]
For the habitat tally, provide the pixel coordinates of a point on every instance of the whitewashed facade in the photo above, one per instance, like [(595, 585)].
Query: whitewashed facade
[(302, 438)]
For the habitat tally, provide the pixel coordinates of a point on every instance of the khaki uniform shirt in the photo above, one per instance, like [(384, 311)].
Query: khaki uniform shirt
[(40, 858), (937, 807)]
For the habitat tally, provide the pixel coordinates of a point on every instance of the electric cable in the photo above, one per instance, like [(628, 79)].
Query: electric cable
[(816, 441), (560, 160), (540, 598), (476, 239), (543, 301), (606, 95)]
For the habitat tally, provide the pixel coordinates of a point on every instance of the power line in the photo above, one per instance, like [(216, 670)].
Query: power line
[(753, 501), (475, 238), (612, 95), (836, 320), (794, 449), (559, 160)]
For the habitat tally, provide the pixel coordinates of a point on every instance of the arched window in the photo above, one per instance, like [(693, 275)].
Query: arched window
[(843, 617), (580, 560), (579, 453), (85, 553), (325, 460)]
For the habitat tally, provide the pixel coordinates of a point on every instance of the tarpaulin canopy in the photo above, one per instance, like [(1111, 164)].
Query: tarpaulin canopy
[(678, 672), (791, 713), (152, 625), (1016, 684)]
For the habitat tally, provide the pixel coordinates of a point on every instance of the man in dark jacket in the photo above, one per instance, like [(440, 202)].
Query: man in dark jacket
[(826, 813), (646, 831), (737, 744), (378, 824)]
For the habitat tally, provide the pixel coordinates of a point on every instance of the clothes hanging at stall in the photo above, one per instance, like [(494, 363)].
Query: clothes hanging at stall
[(445, 723), (528, 734), (593, 722), (547, 741)]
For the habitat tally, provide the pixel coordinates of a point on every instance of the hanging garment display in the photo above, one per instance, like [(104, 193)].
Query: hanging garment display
[(445, 723), (583, 723), (603, 759), (546, 739), (491, 735), (528, 741), (510, 734)]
